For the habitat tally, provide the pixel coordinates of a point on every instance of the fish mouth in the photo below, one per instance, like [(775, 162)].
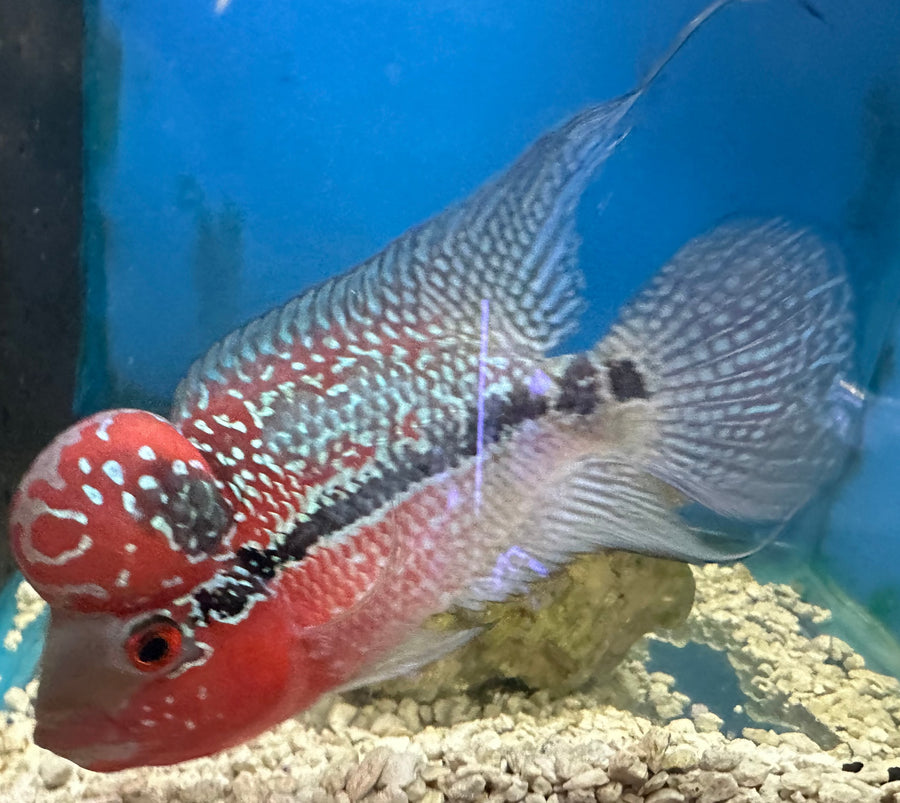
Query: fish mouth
[(93, 742)]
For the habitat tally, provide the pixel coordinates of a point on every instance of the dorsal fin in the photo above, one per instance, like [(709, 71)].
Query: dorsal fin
[(511, 244)]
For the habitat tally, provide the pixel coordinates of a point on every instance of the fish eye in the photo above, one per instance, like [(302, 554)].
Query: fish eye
[(154, 644)]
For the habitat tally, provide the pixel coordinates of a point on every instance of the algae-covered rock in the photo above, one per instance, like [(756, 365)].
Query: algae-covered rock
[(571, 628)]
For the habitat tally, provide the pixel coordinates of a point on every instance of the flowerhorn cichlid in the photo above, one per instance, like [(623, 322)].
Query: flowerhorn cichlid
[(395, 442)]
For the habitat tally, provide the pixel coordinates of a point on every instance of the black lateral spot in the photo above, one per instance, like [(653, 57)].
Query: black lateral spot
[(299, 540), (258, 562), (522, 405), (229, 598), (852, 766), (578, 389), (626, 381), (893, 774), (500, 415)]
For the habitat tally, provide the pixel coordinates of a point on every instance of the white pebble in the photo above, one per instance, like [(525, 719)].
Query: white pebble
[(16, 699), (54, 771)]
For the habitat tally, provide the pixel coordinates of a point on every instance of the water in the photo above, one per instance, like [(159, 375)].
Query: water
[(235, 156)]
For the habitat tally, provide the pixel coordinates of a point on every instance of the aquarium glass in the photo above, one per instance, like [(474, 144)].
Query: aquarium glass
[(673, 605)]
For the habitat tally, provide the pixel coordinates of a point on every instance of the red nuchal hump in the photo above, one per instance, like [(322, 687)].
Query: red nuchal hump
[(119, 512)]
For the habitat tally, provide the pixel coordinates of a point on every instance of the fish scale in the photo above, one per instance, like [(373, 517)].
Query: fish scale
[(311, 566), (434, 526), (324, 450)]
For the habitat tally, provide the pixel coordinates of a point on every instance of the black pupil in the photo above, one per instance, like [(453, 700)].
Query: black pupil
[(154, 649)]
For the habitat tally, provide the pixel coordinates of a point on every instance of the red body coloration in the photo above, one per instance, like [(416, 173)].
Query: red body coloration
[(329, 580), (165, 719), (102, 476)]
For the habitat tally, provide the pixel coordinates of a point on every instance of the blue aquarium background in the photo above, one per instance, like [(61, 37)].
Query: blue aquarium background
[(236, 155)]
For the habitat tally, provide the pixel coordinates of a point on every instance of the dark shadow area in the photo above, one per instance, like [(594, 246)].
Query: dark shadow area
[(40, 219)]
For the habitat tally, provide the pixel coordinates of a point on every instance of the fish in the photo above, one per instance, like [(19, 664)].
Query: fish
[(403, 439)]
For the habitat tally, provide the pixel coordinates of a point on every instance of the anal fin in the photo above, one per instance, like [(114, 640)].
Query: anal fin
[(610, 504)]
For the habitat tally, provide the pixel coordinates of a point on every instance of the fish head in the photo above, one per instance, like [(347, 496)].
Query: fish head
[(117, 522), (146, 689)]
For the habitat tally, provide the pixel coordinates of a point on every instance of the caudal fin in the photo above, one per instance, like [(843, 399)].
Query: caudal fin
[(744, 343)]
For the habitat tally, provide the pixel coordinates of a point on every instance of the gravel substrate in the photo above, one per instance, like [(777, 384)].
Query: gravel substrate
[(634, 738)]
